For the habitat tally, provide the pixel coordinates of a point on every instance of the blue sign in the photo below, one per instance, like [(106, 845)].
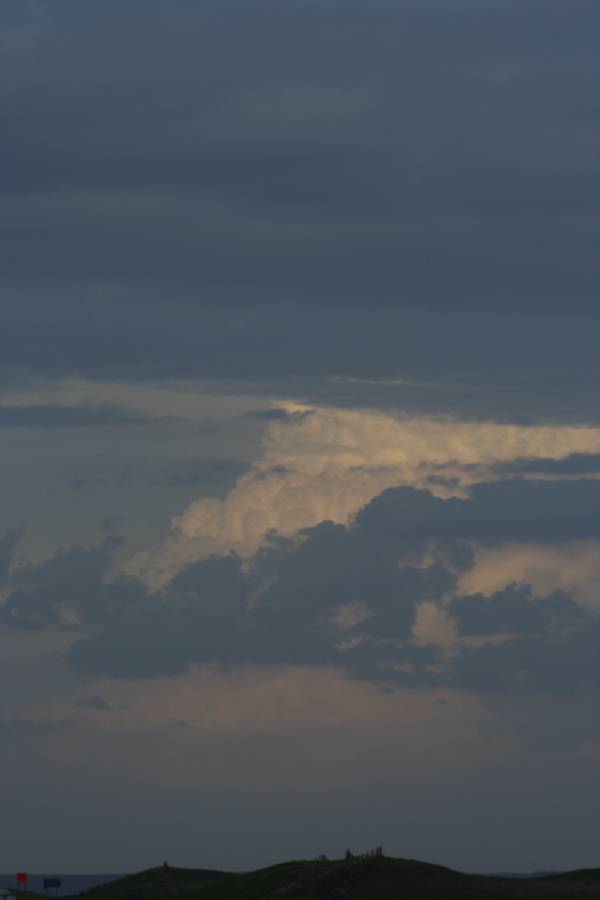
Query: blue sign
[(52, 883)]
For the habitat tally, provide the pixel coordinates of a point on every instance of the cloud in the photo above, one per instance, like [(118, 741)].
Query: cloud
[(200, 618), (323, 462), (568, 565), (96, 703), (357, 540), (576, 464), (286, 611), (280, 202), (378, 599), (562, 663), (277, 414), (512, 510), (67, 590), (512, 611), (395, 210)]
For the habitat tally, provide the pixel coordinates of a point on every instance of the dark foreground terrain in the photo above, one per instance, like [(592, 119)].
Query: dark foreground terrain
[(356, 879)]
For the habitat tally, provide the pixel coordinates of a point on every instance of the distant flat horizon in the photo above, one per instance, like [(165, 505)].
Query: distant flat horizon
[(72, 883)]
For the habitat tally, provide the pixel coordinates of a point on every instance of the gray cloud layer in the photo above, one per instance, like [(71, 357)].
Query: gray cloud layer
[(254, 178)]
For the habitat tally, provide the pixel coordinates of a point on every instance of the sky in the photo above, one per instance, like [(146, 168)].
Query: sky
[(300, 520)]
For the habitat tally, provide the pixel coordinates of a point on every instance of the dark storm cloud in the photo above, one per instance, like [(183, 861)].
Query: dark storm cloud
[(513, 610), (202, 618), (207, 613), (512, 510), (97, 703), (68, 589), (243, 181), (563, 661), (83, 415), (343, 596)]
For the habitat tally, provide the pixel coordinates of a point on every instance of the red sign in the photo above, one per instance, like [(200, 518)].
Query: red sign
[(22, 877)]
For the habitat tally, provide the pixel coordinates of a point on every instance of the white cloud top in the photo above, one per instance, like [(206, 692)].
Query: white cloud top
[(325, 463)]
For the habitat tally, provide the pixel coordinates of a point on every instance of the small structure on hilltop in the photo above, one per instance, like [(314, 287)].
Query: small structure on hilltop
[(376, 853)]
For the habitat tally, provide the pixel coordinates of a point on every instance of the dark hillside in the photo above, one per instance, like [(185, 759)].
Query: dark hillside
[(355, 879), (395, 879)]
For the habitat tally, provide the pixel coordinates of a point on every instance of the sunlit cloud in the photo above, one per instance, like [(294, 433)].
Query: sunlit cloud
[(572, 566), (325, 463)]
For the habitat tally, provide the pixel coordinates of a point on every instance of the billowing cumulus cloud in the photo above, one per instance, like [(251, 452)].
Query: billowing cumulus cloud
[(324, 463), (378, 545), (378, 599)]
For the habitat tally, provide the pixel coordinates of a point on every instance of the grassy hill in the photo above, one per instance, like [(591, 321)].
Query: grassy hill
[(357, 879)]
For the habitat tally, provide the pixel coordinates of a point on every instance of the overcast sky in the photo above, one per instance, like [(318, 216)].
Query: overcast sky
[(300, 520)]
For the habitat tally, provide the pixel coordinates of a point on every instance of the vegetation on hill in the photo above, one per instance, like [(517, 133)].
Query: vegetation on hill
[(353, 879)]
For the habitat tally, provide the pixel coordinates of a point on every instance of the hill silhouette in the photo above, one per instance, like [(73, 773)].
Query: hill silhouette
[(355, 879)]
